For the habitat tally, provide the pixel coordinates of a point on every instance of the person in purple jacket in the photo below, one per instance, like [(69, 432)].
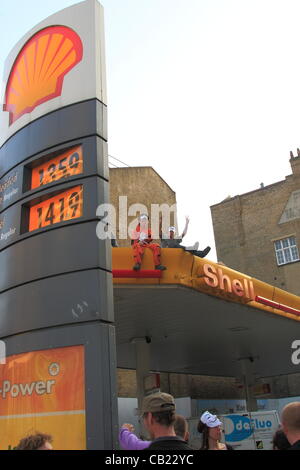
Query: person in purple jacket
[(129, 441)]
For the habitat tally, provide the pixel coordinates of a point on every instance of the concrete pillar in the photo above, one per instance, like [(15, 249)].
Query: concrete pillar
[(142, 351), (247, 366)]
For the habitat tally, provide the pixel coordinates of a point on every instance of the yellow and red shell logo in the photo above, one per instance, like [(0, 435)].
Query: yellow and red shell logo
[(38, 72)]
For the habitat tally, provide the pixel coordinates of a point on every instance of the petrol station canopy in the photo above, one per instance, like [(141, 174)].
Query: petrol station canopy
[(202, 317)]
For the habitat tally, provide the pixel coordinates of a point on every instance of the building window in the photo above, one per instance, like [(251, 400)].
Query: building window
[(286, 251)]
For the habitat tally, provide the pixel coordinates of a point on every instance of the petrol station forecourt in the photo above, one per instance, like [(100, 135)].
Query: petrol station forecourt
[(72, 309)]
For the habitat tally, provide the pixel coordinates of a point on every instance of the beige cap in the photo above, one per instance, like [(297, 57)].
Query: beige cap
[(158, 402)]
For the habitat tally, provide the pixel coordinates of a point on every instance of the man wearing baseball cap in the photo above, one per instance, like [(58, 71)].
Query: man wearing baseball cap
[(158, 413)]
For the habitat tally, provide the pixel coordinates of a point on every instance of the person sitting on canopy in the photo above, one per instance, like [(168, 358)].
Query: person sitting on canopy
[(142, 239), (170, 241)]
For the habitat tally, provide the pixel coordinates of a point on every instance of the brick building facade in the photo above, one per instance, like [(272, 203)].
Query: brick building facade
[(258, 233), (141, 185)]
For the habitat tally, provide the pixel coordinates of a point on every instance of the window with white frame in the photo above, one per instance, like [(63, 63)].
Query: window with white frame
[(286, 250)]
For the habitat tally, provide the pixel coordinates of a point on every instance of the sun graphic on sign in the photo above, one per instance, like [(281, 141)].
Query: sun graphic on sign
[(54, 369), (38, 72)]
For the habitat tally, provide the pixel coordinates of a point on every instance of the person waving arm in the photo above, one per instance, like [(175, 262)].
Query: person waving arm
[(187, 221)]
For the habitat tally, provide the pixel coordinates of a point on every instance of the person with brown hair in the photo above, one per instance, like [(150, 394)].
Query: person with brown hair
[(210, 426), (158, 411), (181, 428), (36, 441), (290, 419), (129, 441)]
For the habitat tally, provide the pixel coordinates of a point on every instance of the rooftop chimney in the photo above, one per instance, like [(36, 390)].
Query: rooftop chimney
[(295, 163)]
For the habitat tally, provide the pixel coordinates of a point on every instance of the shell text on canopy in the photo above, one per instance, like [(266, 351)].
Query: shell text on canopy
[(39, 70)]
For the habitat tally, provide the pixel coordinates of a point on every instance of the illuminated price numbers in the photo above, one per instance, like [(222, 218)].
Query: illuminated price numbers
[(64, 206), (65, 165), (73, 203), (56, 172)]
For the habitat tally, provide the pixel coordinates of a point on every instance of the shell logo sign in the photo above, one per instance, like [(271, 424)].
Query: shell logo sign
[(38, 72)]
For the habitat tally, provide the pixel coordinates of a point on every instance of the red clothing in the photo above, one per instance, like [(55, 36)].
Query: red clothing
[(145, 234), (142, 239), (138, 251)]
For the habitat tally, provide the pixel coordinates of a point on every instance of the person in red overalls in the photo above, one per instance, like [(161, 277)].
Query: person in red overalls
[(141, 239)]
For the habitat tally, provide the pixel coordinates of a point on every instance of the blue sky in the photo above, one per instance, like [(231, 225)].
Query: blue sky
[(205, 91)]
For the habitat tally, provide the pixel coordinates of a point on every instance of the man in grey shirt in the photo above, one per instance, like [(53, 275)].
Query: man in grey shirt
[(170, 241)]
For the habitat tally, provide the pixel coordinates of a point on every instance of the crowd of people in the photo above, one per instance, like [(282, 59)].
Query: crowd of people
[(169, 431)]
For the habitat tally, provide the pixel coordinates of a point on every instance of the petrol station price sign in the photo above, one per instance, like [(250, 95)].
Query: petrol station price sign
[(67, 205), (69, 163)]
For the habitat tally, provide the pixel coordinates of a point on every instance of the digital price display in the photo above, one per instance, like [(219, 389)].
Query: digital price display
[(67, 205), (68, 164)]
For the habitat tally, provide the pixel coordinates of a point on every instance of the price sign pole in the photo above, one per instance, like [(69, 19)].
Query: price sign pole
[(56, 297)]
